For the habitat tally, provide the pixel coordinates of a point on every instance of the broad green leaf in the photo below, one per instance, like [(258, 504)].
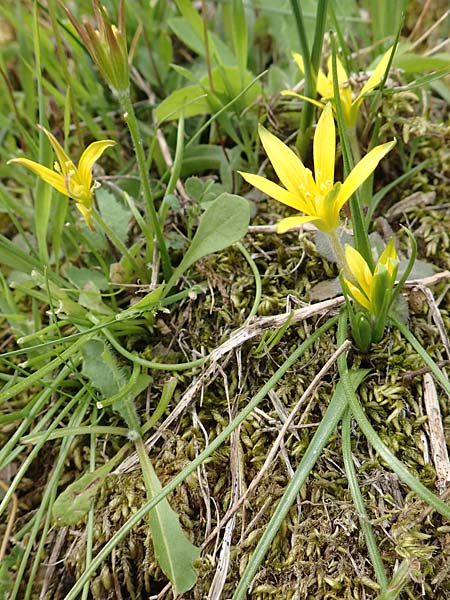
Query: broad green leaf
[(194, 187), (173, 550), (103, 377), (76, 500), (223, 223), (197, 99), (91, 299), (189, 28), (187, 34), (200, 158)]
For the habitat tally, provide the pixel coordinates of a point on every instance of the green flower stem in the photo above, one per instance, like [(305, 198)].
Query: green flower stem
[(340, 254), (131, 121), (358, 501), (212, 447), (114, 239)]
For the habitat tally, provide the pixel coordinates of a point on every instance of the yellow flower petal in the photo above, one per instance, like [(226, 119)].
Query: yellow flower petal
[(286, 163), (299, 60), (378, 74), (362, 171), (359, 268), (325, 150), (67, 166), (87, 214), (358, 295), (389, 260), (291, 222), (88, 158), (348, 106), (324, 86), (54, 179), (388, 254), (273, 190)]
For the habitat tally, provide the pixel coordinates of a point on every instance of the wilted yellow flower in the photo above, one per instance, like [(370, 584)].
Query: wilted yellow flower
[(350, 105), (318, 197), (372, 291), (74, 182), (107, 46)]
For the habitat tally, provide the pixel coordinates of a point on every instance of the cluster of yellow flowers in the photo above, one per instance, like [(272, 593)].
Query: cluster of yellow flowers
[(320, 198)]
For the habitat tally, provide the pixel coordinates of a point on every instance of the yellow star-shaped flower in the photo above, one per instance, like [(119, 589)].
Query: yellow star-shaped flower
[(350, 105), (318, 196), (72, 181)]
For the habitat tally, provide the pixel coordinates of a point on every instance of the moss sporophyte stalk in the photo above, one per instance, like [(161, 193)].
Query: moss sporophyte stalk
[(67, 178)]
